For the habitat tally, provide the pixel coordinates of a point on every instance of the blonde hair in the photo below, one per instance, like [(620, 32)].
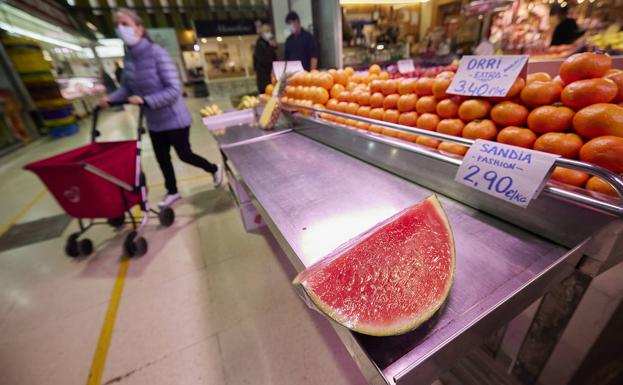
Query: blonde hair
[(136, 19)]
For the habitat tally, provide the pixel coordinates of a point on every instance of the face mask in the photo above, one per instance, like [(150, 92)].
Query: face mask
[(291, 28), (128, 35), (268, 36)]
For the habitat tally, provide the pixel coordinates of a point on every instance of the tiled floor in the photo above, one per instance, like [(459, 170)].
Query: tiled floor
[(209, 304)]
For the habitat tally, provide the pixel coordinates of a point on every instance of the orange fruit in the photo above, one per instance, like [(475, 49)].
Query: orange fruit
[(445, 74), (406, 86), (391, 116), (336, 89), (351, 86), (540, 76), (599, 185), (332, 104), (363, 125), (440, 85), (350, 71), (550, 119), (568, 176), (540, 93), (427, 121), (269, 89), (376, 86), (447, 108), (517, 136), (340, 120), (391, 101), (514, 91), (390, 132), (341, 77), (480, 129), (582, 93), (599, 120), (374, 69), (604, 151), (451, 127), (326, 116), (426, 104), (406, 103), (428, 142), (408, 136), (509, 114), (363, 98), (376, 100), (408, 119), (617, 78), (377, 113), (364, 111), (473, 109), (325, 81), (352, 108), (384, 75), (344, 96), (374, 128), (322, 95), (390, 87), (452, 148), (342, 107), (424, 86), (585, 65), (565, 145), (558, 80)]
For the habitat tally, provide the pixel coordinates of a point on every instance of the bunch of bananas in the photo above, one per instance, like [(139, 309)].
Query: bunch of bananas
[(248, 102), (212, 110), (603, 41)]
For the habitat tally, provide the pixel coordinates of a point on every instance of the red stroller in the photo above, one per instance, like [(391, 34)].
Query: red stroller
[(101, 180)]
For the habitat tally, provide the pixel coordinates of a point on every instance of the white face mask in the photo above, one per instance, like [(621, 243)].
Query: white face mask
[(127, 34), (268, 36), (291, 28)]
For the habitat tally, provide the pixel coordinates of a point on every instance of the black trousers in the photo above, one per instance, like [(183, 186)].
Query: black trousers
[(162, 142)]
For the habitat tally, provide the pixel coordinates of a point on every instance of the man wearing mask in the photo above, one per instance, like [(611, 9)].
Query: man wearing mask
[(263, 57), (300, 45)]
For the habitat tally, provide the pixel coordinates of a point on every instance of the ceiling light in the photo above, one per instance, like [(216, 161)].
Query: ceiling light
[(219, 39)]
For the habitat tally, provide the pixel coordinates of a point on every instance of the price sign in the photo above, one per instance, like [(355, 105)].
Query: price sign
[(406, 66), (290, 67), (487, 75), (510, 173)]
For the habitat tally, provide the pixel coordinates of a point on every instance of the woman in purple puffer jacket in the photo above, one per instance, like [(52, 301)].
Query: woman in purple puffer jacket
[(150, 78)]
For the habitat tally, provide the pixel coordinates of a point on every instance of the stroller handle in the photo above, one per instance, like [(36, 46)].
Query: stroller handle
[(96, 133)]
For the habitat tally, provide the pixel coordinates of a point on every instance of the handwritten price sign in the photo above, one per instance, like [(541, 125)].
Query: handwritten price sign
[(510, 173), (290, 67), (406, 66), (490, 75)]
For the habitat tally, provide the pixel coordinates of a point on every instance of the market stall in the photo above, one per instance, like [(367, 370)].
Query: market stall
[(332, 178)]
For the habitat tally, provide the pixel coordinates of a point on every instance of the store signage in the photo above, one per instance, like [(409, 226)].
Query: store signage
[(487, 75), (291, 67), (406, 66), (209, 28), (510, 173)]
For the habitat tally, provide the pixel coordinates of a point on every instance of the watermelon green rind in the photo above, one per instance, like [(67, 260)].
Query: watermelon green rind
[(398, 327)]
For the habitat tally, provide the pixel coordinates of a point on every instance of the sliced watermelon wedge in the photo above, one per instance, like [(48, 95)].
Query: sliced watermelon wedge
[(392, 278)]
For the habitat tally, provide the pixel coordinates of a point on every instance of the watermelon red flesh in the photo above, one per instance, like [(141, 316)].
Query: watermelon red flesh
[(390, 279)]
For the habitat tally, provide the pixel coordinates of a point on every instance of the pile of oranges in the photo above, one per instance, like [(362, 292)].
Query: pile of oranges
[(577, 115)]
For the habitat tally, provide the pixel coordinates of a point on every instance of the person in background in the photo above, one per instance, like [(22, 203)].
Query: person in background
[(263, 57), (567, 31), (300, 45), (150, 79), (118, 72)]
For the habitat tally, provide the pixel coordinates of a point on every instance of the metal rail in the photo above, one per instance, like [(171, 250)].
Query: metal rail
[(614, 180)]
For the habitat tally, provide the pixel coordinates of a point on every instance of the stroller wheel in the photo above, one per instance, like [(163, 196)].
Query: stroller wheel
[(134, 247), (71, 247), (85, 246), (166, 216), (116, 222)]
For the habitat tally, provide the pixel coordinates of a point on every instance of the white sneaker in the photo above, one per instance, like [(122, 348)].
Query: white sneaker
[(169, 200), (218, 176)]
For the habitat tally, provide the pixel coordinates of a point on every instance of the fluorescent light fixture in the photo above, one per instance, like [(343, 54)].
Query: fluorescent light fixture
[(196, 47), (40, 37), (204, 40), (219, 39)]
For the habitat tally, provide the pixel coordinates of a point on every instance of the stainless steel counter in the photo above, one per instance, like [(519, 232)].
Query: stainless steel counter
[(315, 198), (244, 133)]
